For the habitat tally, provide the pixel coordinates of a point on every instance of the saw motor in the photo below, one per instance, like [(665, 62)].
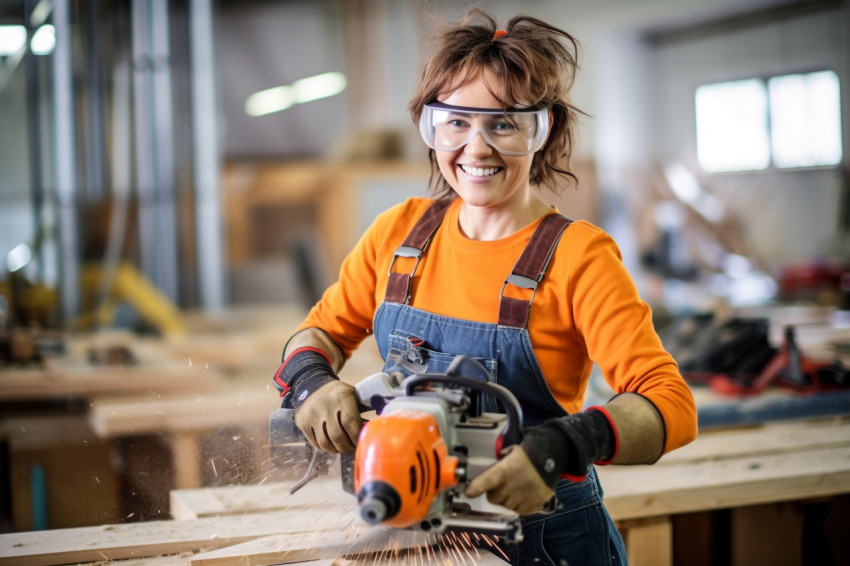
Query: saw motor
[(414, 459)]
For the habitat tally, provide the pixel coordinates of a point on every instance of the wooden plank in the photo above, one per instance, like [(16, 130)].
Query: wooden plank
[(380, 546), (321, 493), (185, 559), (198, 412), (25, 384), (779, 437), (154, 372), (646, 491), (172, 560), (638, 491), (649, 542), (288, 549), (157, 538)]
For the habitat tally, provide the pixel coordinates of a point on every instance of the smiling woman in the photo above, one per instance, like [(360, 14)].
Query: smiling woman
[(488, 270)]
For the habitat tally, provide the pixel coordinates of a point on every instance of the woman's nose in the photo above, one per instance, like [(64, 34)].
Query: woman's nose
[(478, 146)]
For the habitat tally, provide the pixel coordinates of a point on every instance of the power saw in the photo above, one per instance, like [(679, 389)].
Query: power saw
[(429, 438)]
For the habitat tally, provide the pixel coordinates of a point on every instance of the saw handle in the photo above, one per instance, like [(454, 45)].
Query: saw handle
[(512, 433)]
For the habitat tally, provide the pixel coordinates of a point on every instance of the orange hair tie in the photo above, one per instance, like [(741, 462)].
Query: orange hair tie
[(499, 33)]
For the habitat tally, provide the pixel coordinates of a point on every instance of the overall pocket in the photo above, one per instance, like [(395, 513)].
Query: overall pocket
[(411, 354)]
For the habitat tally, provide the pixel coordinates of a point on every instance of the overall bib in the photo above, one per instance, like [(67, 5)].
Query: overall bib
[(580, 532)]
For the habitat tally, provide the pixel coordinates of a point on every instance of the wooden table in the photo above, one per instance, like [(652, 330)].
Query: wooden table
[(244, 401), (726, 469), (739, 469), (72, 375)]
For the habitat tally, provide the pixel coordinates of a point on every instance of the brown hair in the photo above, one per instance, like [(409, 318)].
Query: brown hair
[(537, 63)]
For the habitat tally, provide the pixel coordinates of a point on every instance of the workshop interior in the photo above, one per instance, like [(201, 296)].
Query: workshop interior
[(181, 180)]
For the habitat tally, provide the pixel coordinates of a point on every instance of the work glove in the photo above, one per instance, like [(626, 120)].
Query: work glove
[(326, 409), (567, 446), (524, 480), (512, 482)]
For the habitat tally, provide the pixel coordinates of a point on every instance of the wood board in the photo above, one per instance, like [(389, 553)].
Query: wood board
[(375, 546), (724, 469), (320, 494), (719, 469), (156, 538), (288, 549), (646, 491), (772, 438), (230, 407), (72, 374)]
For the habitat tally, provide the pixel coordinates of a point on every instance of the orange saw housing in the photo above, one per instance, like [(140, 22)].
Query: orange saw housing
[(401, 464)]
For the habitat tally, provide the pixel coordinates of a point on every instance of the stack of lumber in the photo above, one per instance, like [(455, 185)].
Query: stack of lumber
[(317, 526), (742, 470)]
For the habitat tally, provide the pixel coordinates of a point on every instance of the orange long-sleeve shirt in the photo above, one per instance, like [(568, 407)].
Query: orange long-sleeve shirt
[(586, 310)]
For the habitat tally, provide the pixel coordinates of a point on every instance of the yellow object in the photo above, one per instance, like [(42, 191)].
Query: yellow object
[(131, 286)]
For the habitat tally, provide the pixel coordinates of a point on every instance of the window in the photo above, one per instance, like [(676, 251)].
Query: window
[(785, 121)]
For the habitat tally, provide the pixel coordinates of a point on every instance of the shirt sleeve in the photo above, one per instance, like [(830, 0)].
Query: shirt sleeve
[(616, 327)]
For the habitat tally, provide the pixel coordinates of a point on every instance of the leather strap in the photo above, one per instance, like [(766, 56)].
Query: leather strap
[(530, 268), (414, 245)]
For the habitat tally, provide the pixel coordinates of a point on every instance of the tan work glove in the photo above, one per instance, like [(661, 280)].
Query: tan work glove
[(330, 418), (512, 482), (326, 409)]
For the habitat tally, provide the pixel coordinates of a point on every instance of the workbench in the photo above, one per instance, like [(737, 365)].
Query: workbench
[(759, 474), (188, 411)]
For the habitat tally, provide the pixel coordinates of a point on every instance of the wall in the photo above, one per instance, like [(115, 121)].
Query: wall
[(789, 215), (264, 45)]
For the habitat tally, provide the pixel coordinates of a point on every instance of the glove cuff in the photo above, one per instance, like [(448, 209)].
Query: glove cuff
[(567, 446), (609, 437), (548, 450), (304, 371)]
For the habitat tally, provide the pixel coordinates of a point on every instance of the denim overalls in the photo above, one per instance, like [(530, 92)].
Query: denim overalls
[(580, 532)]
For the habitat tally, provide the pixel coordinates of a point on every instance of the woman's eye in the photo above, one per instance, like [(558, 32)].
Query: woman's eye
[(456, 123), (502, 127)]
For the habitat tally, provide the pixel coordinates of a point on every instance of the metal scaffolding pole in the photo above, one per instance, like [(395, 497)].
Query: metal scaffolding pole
[(206, 158), (154, 145), (66, 164)]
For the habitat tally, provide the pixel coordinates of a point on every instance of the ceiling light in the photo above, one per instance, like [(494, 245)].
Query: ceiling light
[(268, 101), (43, 40), (12, 39), (320, 86), (18, 258), (304, 90)]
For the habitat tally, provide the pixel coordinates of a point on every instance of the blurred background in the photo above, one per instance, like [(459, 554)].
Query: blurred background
[(180, 179), (150, 133)]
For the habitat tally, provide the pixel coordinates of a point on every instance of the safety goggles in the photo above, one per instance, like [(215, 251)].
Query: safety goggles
[(513, 132)]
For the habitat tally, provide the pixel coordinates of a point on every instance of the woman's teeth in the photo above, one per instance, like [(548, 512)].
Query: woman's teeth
[(479, 171)]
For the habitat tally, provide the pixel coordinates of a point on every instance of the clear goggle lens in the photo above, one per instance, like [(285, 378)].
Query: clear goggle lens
[(512, 132)]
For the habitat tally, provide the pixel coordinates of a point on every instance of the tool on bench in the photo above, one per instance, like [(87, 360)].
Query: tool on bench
[(430, 438)]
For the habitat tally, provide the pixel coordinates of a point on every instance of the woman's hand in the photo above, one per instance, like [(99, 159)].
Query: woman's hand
[(512, 482), (330, 418)]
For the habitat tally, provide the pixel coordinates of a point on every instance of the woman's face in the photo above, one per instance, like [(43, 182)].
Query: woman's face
[(479, 174)]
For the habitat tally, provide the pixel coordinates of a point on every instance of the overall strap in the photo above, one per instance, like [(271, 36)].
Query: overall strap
[(399, 284), (530, 268)]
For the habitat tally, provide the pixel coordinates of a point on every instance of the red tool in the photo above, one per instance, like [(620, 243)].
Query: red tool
[(788, 368)]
